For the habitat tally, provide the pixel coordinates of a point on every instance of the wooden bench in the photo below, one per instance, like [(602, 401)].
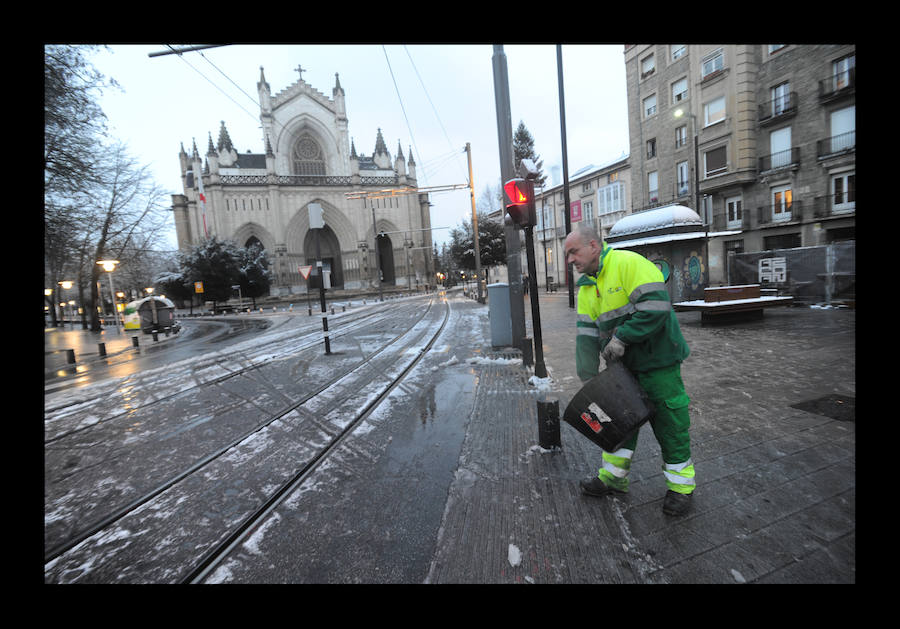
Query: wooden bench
[(732, 303)]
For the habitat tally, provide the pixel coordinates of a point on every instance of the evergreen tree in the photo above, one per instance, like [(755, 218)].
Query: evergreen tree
[(523, 148)]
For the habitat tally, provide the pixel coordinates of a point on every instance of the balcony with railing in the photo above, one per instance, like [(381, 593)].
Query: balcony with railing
[(835, 205), (307, 180), (779, 108), (837, 86), (836, 145), (783, 212), (780, 160)]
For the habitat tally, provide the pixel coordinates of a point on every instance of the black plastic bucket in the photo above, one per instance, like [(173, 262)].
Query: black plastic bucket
[(610, 407)]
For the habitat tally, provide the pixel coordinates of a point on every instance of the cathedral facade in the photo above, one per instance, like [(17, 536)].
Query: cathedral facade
[(377, 227)]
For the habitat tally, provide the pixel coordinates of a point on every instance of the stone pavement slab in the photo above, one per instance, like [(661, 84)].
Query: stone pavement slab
[(773, 443)]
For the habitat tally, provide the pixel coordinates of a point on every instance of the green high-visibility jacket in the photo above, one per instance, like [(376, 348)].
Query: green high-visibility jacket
[(627, 298)]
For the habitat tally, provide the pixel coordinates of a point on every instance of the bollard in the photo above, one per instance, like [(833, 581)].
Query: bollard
[(548, 424), (527, 352), (101, 347), (135, 342), (327, 340), (343, 308), (155, 335), (70, 356)]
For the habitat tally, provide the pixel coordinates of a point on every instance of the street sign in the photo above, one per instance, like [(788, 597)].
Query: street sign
[(304, 271), (198, 287)]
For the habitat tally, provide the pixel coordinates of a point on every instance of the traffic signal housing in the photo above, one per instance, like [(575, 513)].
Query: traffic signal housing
[(521, 208)]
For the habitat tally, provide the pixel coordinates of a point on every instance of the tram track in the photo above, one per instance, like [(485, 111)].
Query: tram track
[(304, 339), (350, 382)]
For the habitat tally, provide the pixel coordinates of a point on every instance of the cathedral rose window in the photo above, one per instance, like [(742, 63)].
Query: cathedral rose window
[(308, 158)]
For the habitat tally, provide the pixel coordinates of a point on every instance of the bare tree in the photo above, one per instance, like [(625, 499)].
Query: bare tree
[(129, 215)]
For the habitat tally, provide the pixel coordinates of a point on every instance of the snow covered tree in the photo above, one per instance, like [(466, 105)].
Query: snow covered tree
[(255, 276), (221, 264), (491, 244), (523, 148)]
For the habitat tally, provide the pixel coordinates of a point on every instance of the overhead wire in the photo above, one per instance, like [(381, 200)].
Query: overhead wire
[(253, 100), (426, 165), (402, 108), (434, 109)]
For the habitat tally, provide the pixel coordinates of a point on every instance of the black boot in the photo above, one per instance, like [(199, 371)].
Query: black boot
[(676, 504), (597, 488)]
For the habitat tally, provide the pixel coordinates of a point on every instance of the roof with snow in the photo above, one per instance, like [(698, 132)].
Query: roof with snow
[(669, 219)]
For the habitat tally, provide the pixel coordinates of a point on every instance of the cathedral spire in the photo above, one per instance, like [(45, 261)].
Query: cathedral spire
[(353, 154), (224, 139), (262, 83), (210, 150), (380, 146), (399, 150)]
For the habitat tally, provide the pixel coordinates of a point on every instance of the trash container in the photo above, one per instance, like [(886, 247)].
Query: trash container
[(499, 314), (610, 407)]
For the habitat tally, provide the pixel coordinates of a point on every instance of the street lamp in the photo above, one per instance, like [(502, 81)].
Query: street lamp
[(678, 114), (109, 266), (66, 285)]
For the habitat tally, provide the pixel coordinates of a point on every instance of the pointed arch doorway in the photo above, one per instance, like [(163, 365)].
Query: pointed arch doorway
[(330, 249), (386, 260)]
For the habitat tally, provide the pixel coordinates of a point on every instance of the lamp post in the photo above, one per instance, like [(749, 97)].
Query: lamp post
[(109, 266), (678, 114), (65, 285)]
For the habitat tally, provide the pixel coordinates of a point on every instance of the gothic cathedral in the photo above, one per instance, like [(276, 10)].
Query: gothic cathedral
[(310, 158)]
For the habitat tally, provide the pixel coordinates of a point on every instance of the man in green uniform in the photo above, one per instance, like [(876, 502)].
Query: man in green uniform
[(624, 313)]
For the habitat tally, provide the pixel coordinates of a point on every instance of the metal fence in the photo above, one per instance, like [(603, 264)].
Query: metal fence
[(825, 273)]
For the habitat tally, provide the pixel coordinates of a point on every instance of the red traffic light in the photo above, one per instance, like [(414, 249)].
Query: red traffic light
[(521, 208), (518, 191)]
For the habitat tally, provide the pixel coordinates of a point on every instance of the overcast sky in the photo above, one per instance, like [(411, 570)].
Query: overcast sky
[(433, 98)]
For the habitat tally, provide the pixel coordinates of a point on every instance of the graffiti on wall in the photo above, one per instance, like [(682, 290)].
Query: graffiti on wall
[(694, 270)]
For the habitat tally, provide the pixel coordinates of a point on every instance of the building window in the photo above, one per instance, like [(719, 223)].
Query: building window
[(842, 70), (773, 48), (586, 186), (713, 64), (307, 157), (736, 246), (715, 161), (734, 211), (714, 111), (681, 177), (679, 90), (681, 136), (678, 51), (782, 200), (843, 192), (843, 129), (649, 106), (610, 199), (653, 186), (781, 98), (588, 208), (648, 65), (651, 148), (611, 177), (780, 147)]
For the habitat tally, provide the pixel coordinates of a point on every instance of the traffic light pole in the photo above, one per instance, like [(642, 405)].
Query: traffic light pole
[(507, 172), (540, 370)]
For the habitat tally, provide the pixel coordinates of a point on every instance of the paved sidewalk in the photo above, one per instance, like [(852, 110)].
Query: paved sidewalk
[(85, 344), (773, 443)]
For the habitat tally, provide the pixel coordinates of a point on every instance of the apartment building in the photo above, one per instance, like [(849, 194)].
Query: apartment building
[(758, 139)]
